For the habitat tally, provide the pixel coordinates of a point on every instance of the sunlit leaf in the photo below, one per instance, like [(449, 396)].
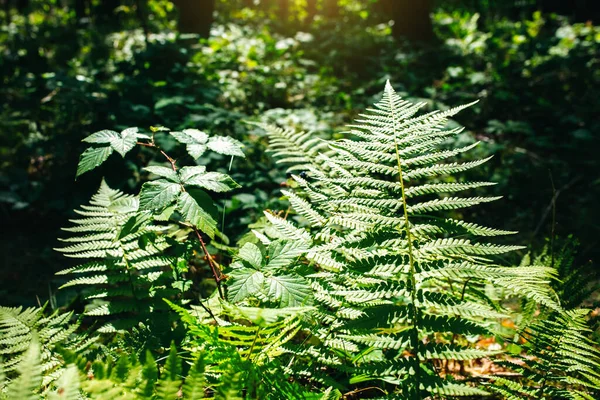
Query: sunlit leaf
[(226, 146), (193, 206), (92, 158), (158, 194)]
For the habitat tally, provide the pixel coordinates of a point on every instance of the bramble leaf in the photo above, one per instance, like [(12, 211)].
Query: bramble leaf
[(226, 146), (156, 195), (92, 157), (195, 205)]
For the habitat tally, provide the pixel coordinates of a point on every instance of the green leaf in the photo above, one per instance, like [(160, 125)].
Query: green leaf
[(288, 291), (195, 150), (163, 172), (282, 252), (30, 370), (188, 173), (226, 146), (244, 282), (215, 181), (190, 136), (170, 378), (103, 136), (124, 205), (158, 194), (195, 205), (122, 142), (252, 254), (195, 383), (125, 141), (194, 139), (93, 157)]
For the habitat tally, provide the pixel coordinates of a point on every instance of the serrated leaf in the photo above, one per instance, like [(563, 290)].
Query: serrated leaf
[(103, 136), (188, 173), (215, 181), (190, 136), (194, 206), (92, 157), (287, 290), (163, 172), (124, 205), (125, 141), (282, 252), (157, 195), (226, 146), (195, 150), (194, 139), (244, 283), (252, 254)]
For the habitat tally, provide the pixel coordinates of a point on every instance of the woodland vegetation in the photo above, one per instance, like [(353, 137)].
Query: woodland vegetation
[(299, 199)]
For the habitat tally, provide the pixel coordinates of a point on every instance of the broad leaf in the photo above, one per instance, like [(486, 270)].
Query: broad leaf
[(194, 140), (288, 291), (158, 194), (226, 145), (195, 205), (93, 157), (103, 136), (163, 172), (125, 141), (282, 252), (244, 282), (215, 181), (252, 254), (122, 142), (190, 136), (188, 173)]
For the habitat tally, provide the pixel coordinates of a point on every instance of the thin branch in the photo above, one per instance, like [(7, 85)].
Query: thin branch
[(209, 258), (208, 311), (211, 263)]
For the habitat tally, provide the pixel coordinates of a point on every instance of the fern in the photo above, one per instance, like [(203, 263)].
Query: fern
[(392, 278), (554, 356), (124, 272), (22, 329), (560, 361), (244, 358)]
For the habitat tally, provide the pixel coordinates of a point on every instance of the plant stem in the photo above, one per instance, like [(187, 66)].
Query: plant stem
[(211, 262), (411, 260)]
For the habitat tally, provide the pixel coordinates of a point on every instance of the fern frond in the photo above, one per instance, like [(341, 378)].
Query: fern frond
[(126, 252)]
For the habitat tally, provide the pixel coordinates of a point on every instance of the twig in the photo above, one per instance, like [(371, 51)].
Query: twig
[(208, 311), (172, 161), (209, 258), (211, 262)]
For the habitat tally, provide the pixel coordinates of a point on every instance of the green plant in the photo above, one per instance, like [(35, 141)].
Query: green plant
[(400, 288), (363, 287), (21, 329)]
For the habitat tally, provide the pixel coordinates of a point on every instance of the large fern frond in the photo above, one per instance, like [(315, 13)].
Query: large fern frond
[(394, 278)]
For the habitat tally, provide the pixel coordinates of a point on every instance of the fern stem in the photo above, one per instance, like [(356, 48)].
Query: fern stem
[(253, 344), (411, 260)]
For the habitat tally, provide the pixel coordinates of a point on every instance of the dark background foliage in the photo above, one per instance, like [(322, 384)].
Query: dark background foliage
[(70, 68)]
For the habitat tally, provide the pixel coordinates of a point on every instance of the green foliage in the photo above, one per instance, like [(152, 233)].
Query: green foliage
[(29, 344), (247, 357), (262, 273), (393, 278), (126, 274), (560, 361), (371, 285)]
